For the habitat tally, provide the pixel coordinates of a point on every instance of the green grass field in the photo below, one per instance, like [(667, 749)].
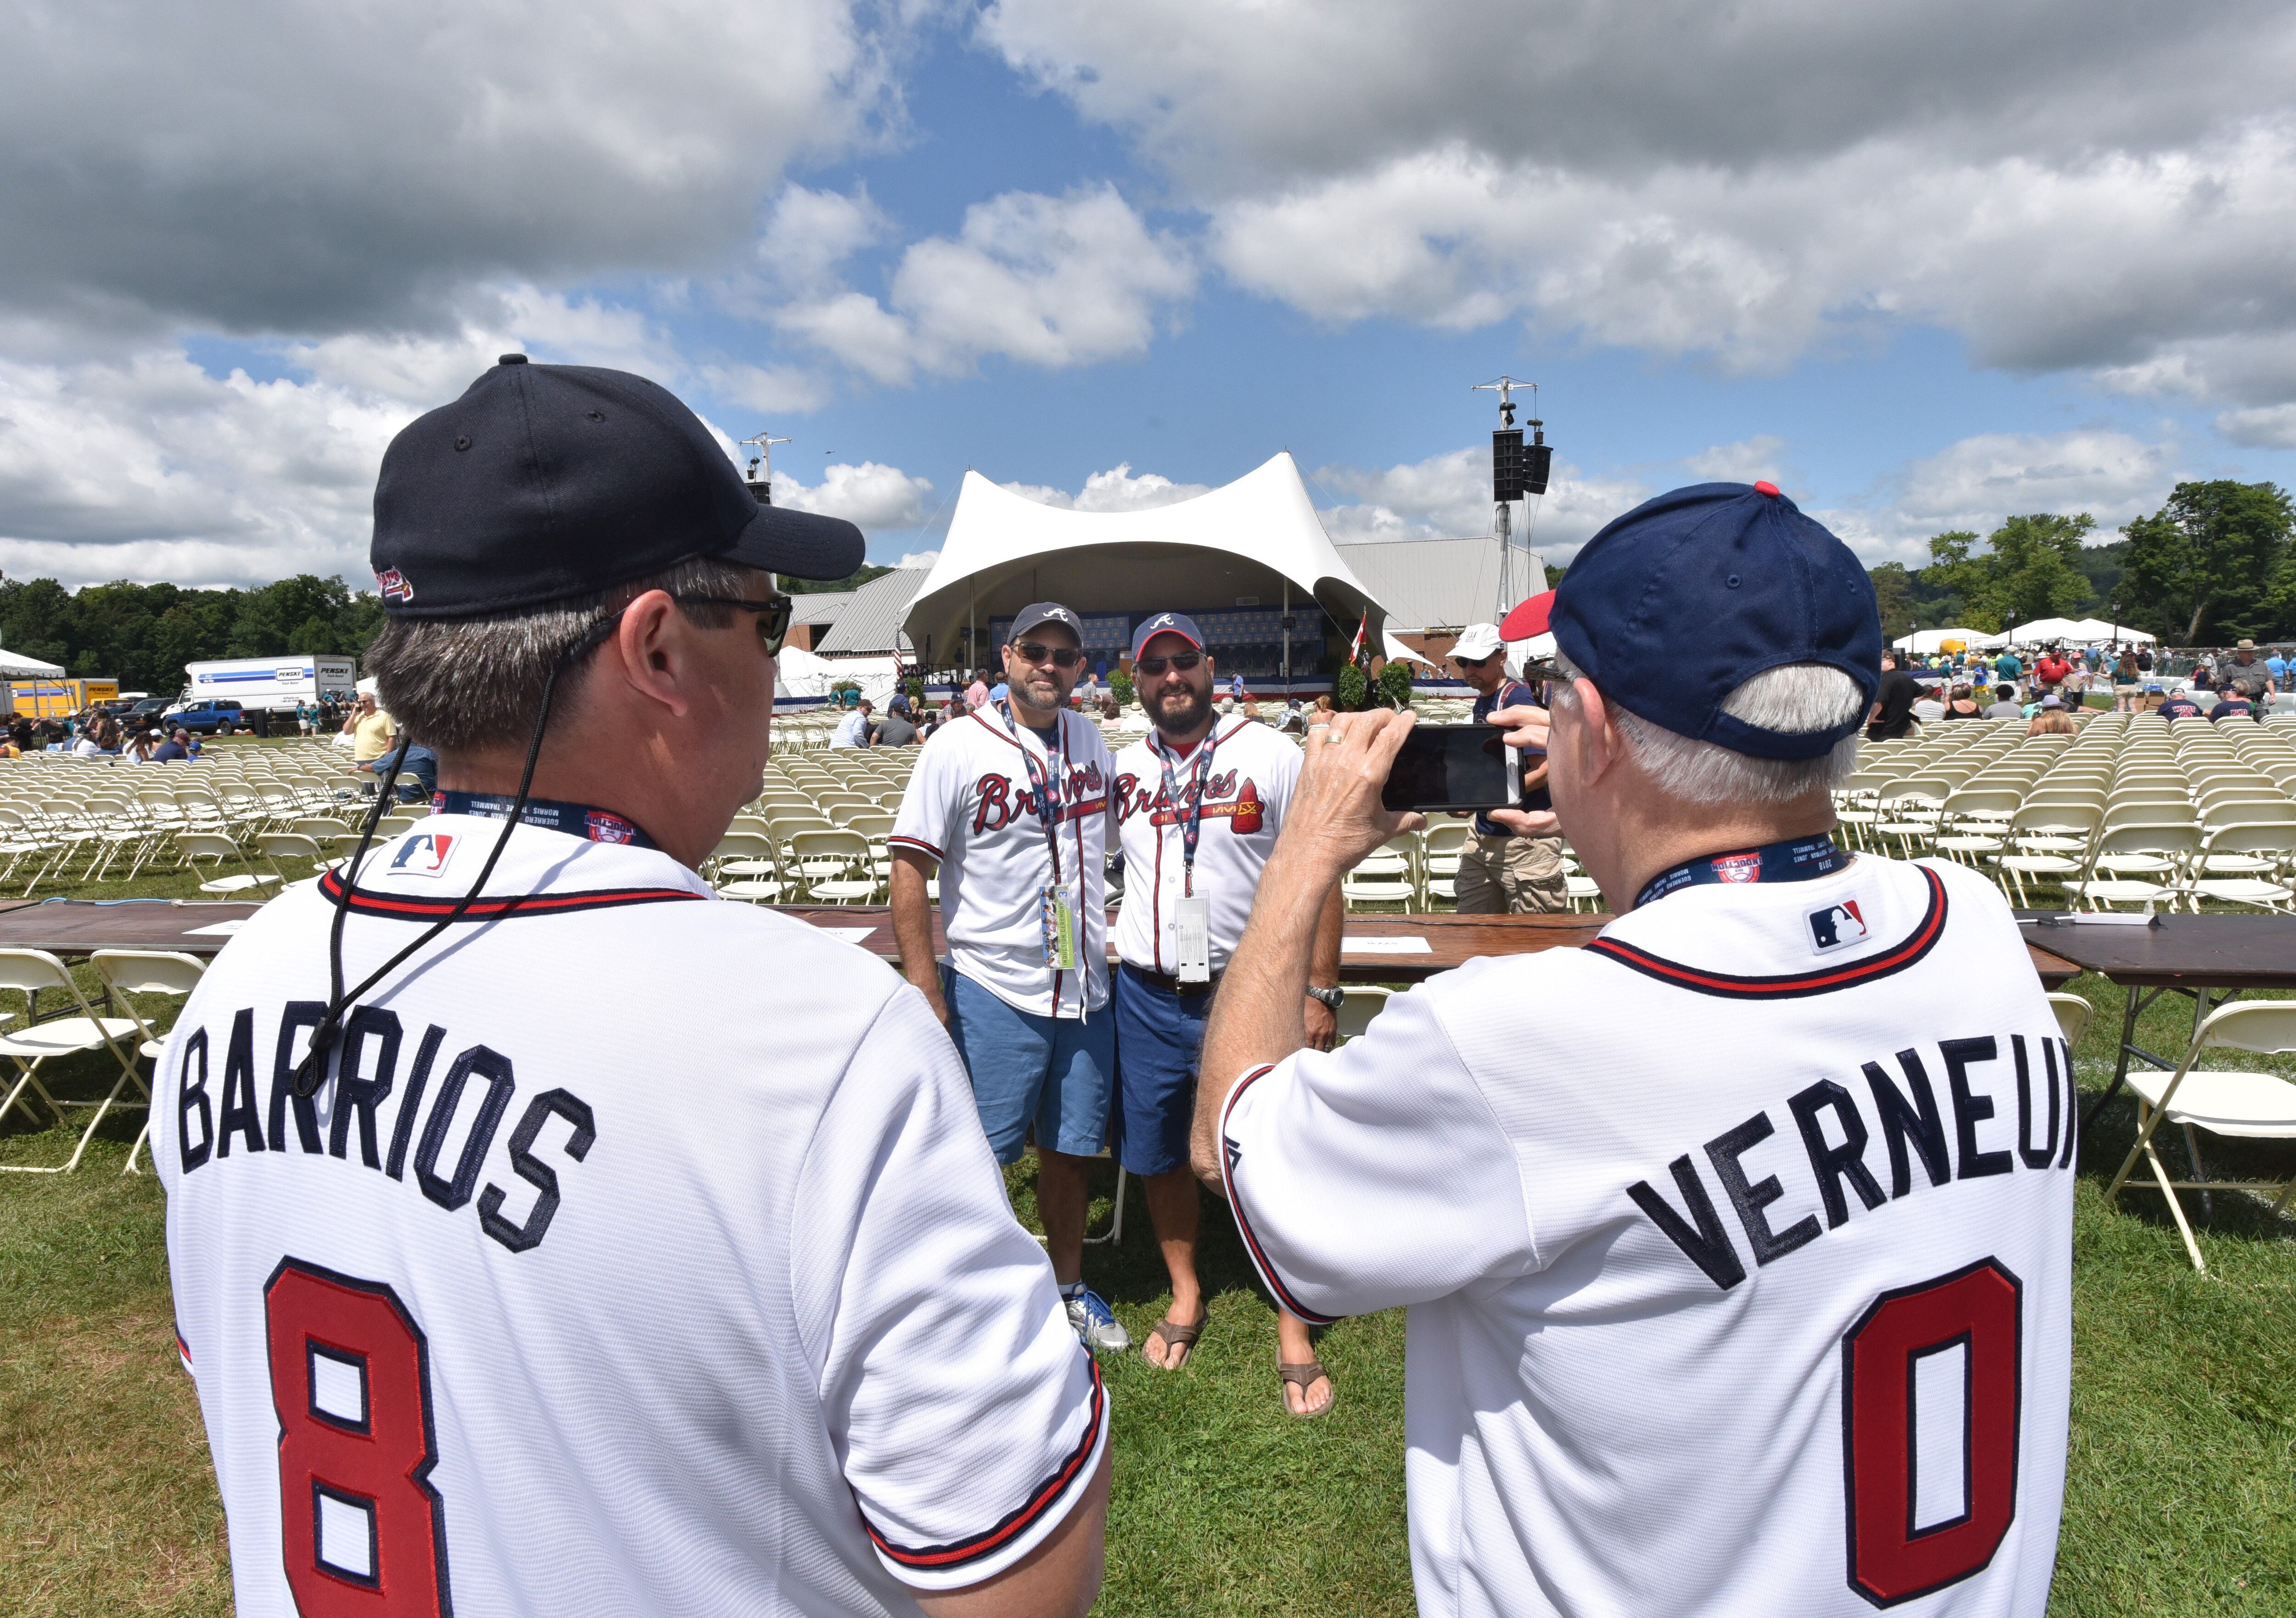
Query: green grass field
[(2183, 1460)]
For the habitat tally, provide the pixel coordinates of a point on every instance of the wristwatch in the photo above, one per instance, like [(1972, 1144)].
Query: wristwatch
[(1331, 996)]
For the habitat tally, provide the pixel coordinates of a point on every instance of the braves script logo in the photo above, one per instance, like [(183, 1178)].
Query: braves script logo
[(1837, 926), (1225, 799), (424, 853), (1739, 868), (1001, 798), (393, 585)]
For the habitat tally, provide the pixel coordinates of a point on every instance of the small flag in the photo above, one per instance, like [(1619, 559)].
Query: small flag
[(1362, 639)]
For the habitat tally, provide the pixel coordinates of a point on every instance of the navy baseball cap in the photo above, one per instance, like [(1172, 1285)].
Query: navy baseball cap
[(542, 483), (1037, 613), (1167, 623), (1677, 604)]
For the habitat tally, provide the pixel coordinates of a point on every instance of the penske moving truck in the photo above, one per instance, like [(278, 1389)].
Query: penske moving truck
[(267, 689)]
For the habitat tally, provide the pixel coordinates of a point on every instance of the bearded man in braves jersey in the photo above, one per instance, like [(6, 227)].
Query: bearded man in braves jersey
[(1737, 1244), (1199, 802), (1011, 802), (533, 1299)]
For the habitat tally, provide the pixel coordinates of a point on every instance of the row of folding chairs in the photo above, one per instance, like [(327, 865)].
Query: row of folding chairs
[(124, 1030)]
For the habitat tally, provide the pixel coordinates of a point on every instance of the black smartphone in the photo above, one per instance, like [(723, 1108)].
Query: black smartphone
[(1453, 767)]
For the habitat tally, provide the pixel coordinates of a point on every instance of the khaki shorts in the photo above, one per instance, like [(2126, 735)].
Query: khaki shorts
[(1511, 876)]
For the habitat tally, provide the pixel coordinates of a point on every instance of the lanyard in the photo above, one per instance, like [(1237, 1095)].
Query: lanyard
[(1190, 819), (575, 819), (1796, 860), (1049, 793)]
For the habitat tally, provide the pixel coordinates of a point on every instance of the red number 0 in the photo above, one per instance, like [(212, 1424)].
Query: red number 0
[(1978, 1311), (364, 1533)]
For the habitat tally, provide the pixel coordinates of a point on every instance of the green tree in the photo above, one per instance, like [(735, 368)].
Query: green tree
[(1893, 588), (2031, 568), (2205, 569), (1394, 684), (820, 586), (1964, 578)]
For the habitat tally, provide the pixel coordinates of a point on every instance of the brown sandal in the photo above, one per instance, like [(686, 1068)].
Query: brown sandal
[(1179, 1337), (1303, 1377)]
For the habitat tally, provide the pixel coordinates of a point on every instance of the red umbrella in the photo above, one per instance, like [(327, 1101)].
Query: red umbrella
[(1529, 621)]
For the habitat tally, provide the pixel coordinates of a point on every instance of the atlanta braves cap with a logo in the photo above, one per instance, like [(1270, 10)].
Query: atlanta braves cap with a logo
[(1677, 604), (1038, 613), (1167, 623), (542, 483)]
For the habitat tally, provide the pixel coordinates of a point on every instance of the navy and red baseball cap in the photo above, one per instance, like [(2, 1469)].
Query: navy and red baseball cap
[(1167, 623), (544, 483), (1686, 597)]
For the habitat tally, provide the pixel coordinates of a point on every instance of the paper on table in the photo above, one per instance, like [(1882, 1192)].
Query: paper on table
[(218, 929), (1417, 944), (855, 933)]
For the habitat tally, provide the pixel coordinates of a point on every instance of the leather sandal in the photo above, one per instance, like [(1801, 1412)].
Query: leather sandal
[(1303, 1377), (1179, 1337)]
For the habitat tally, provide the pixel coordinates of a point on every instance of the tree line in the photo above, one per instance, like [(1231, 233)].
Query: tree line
[(2215, 564), (142, 634)]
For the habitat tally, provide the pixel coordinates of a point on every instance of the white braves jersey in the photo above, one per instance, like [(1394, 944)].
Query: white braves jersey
[(1245, 787), (971, 805), (1737, 1246), (641, 1255)]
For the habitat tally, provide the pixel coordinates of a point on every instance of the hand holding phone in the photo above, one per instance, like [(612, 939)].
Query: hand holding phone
[(1454, 766)]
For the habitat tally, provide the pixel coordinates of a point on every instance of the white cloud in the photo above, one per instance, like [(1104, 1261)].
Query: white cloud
[(1115, 489), (918, 559), (1449, 495), (868, 495), (1747, 461), (1050, 282), (2270, 427)]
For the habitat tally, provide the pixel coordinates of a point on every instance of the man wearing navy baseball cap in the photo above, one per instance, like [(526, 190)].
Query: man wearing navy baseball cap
[(666, 1228), (1737, 1243)]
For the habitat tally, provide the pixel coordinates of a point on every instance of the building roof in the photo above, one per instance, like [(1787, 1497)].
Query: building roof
[(869, 623), (820, 607), (1432, 584)]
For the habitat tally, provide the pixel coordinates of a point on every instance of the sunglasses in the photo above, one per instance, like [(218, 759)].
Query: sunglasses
[(1058, 657), (1153, 666), (773, 616)]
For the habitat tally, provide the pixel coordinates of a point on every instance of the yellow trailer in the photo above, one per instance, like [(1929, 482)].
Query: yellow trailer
[(59, 698)]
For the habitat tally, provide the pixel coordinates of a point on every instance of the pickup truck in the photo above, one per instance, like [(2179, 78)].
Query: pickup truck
[(208, 715)]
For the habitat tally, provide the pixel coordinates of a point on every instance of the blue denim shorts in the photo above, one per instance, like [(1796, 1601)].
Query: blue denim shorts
[(1159, 1035), (1055, 1072)]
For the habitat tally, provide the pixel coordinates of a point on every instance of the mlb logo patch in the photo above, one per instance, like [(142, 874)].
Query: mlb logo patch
[(424, 853), (393, 585), (1739, 868), (1837, 926)]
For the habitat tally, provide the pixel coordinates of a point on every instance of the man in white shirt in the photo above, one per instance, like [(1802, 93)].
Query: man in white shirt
[(1199, 803), (505, 1295), (1738, 1242), (1011, 802), (853, 729)]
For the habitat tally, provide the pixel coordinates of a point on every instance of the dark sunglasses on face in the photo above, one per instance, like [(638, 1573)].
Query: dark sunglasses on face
[(1058, 657), (773, 616), (1153, 666)]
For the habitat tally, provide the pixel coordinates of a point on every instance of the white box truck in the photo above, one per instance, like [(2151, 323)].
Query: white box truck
[(268, 688)]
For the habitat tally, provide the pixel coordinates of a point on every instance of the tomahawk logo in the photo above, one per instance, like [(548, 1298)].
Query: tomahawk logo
[(1837, 926), (393, 585), (424, 853)]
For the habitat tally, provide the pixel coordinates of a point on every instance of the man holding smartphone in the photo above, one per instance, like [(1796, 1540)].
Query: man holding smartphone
[(1505, 870), (1010, 802), (1199, 803)]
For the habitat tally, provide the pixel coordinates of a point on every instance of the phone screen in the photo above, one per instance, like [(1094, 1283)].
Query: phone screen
[(1451, 767)]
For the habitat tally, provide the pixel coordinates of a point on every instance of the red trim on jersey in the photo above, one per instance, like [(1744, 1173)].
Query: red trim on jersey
[(1019, 1520), (915, 842), (184, 1351), (365, 901), (1259, 1258), (1790, 985)]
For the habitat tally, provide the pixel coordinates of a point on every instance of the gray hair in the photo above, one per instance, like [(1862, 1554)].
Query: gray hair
[(1794, 697), (465, 685)]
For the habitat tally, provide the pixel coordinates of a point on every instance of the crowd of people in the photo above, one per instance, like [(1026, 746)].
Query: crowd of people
[(1919, 689)]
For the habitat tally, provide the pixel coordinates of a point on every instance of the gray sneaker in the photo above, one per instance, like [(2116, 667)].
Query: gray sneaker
[(1095, 1323)]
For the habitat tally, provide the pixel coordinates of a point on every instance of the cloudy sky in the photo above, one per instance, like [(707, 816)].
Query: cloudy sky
[(1924, 266)]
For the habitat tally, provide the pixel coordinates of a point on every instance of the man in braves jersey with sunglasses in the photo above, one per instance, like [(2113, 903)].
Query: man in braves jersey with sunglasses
[(1200, 802), (1737, 1244), (1011, 803), (548, 1235)]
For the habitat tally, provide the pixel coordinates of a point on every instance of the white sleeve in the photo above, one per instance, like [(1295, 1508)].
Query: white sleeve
[(1373, 1175), (926, 820), (968, 1418)]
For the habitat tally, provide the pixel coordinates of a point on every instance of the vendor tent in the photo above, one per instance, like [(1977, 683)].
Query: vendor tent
[(2041, 631), (2098, 630), (1255, 543), (1929, 642), (16, 666), (801, 680)]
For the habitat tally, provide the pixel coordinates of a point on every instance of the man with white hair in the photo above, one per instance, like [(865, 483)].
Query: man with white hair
[(1737, 1244)]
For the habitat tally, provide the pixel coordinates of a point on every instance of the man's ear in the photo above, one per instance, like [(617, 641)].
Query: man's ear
[(1595, 736), (649, 653)]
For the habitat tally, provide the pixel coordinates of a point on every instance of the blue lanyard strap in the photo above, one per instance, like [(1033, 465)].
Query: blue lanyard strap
[(574, 819), (1795, 860), (1191, 819), (1049, 793)]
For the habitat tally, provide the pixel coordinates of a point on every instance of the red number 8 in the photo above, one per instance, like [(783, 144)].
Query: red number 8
[(1977, 1311), (364, 1533)]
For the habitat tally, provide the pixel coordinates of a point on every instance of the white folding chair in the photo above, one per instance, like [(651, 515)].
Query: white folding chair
[(2251, 1106), (35, 1046), (1359, 1003), (128, 972)]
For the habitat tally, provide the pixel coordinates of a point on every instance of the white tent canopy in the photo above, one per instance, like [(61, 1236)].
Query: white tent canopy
[(1928, 642), (799, 677), (2041, 631), (2098, 629), (1256, 541), (16, 666)]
